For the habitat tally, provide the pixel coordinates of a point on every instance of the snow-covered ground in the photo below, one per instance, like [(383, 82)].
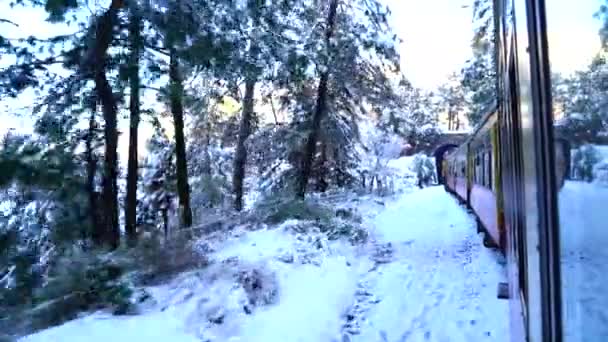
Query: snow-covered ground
[(440, 283), (422, 276), (584, 241)]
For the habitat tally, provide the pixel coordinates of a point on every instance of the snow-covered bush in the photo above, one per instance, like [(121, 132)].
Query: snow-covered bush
[(211, 177), (155, 261), (583, 161), (76, 282), (45, 212), (424, 167), (342, 223), (600, 173), (375, 173), (275, 211), (353, 231), (260, 285)]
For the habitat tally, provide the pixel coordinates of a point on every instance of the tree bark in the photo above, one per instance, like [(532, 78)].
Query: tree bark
[(110, 191), (323, 164), (274, 113), (104, 34), (134, 109), (96, 227), (240, 158), (449, 120), (177, 109), (320, 108)]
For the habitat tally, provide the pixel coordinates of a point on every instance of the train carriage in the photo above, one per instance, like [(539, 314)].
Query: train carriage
[(456, 176), (485, 194), (510, 172)]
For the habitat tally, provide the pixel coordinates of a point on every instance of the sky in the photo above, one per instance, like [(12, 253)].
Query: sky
[(572, 33), (437, 36), (436, 40)]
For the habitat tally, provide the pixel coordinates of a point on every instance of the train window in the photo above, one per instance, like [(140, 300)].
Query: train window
[(477, 172), (483, 169), (490, 170), (579, 69)]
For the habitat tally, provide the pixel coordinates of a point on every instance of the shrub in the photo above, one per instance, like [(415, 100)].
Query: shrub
[(75, 283), (281, 211), (600, 173), (349, 214), (95, 282), (337, 229), (583, 161), (157, 261)]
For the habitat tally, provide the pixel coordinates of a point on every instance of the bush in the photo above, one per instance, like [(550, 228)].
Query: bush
[(346, 224), (260, 285), (75, 283), (97, 283), (600, 173), (157, 261), (424, 168), (583, 160), (337, 229), (210, 191), (281, 211), (349, 214)]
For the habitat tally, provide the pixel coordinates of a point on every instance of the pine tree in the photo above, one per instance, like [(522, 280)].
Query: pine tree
[(135, 28)]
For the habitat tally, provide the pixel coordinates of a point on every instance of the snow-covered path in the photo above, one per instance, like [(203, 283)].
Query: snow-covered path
[(440, 284)]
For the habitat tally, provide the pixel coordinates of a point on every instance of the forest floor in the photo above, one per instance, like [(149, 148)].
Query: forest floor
[(422, 275)]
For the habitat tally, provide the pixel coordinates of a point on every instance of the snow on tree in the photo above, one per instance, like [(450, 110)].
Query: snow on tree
[(581, 98), (478, 76), (412, 115)]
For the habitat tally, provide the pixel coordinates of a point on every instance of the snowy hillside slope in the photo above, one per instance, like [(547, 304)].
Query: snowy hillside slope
[(421, 274), (260, 286)]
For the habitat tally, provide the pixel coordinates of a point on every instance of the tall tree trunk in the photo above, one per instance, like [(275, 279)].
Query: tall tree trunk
[(97, 57), (323, 163), (177, 109), (132, 168), (207, 141), (110, 191), (96, 227), (450, 118), (321, 106), (274, 112), (240, 158), (394, 123)]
